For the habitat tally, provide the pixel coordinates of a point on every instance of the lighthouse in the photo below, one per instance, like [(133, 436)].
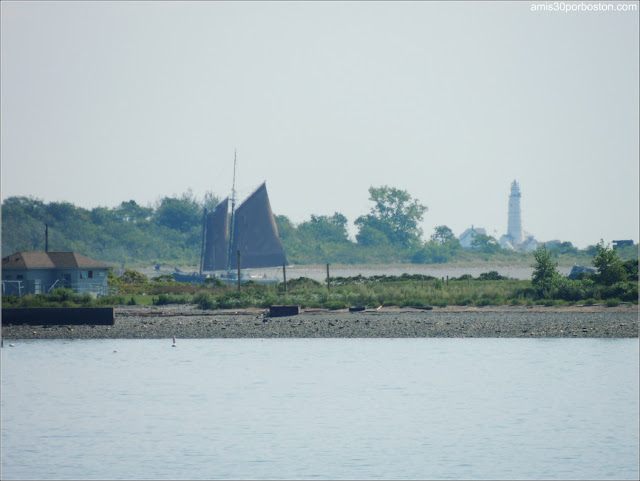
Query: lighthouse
[(514, 226)]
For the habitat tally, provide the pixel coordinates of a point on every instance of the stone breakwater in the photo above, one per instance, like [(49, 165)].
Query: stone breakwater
[(188, 322)]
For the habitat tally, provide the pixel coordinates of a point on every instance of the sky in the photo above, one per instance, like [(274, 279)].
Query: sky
[(105, 102)]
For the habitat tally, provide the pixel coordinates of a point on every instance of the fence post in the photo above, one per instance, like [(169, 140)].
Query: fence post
[(328, 283), (239, 270), (284, 276)]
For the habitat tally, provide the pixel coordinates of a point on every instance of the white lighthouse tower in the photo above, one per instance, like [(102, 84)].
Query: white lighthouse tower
[(514, 226)]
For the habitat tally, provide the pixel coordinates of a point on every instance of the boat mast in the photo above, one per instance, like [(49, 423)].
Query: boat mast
[(204, 230), (233, 210)]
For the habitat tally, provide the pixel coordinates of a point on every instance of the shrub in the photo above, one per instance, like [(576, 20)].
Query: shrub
[(303, 282), (205, 301), (463, 277), (213, 282), (589, 302), (234, 299), (61, 294), (568, 289), (483, 301), (491, 276), (464, 301), (334, 305), (164, 299), (132, 277), (613, 302), (626, 291), (164, 278), (85, 299)]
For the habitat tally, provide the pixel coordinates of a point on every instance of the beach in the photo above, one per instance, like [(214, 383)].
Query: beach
[(189, 322)]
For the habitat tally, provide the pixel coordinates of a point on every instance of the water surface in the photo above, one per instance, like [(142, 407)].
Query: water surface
[(321, 408)]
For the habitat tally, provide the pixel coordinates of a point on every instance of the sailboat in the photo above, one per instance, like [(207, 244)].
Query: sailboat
[(250, 230), (248, 234)]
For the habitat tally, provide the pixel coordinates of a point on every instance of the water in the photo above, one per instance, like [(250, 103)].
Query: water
[(319, 273), (321, 408)]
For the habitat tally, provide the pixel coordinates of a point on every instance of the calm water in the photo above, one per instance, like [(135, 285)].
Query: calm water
[(315, 408)]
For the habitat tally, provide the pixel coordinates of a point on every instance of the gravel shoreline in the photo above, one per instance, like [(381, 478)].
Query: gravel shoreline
[(188, 322)]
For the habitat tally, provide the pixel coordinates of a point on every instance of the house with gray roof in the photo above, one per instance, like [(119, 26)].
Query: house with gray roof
[(40, 272), (468, 236)]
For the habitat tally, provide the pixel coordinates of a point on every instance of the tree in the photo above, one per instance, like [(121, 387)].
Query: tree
[(132, 212), (183, 214), (631, 268), (610, 267), (369, 236), (563, 248), (485, 243), (443, 235), (431, 253), (395, 214), (326, 229), (544, 274)]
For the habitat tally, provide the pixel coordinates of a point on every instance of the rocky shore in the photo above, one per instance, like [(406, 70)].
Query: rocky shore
[(188, 322)]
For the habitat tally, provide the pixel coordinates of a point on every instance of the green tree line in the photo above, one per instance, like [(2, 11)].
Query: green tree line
[(170, 232)]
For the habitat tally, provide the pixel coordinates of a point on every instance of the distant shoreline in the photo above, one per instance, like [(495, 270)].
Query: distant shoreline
[(149, 322)]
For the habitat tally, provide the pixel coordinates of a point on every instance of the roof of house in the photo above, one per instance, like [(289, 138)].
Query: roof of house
[(49, 260), (473, 231)]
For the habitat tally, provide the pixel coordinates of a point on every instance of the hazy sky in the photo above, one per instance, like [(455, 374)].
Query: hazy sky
[(103, 102)]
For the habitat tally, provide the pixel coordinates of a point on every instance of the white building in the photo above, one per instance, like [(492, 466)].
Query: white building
[(467, 237)]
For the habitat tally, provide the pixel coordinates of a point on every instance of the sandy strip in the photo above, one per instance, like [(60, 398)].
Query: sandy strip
[(188, 322)]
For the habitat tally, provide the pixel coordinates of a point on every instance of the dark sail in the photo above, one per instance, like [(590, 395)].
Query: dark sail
[(217, 238), (255, 233)]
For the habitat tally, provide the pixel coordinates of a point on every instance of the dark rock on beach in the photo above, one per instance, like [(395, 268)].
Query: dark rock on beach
[(147, 322)]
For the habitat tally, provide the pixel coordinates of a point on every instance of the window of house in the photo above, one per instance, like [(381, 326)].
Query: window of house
[(19, 276), (90, 274), (84, 274)]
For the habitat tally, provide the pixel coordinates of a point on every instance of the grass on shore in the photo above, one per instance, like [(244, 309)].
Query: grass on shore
[(403, 291)]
